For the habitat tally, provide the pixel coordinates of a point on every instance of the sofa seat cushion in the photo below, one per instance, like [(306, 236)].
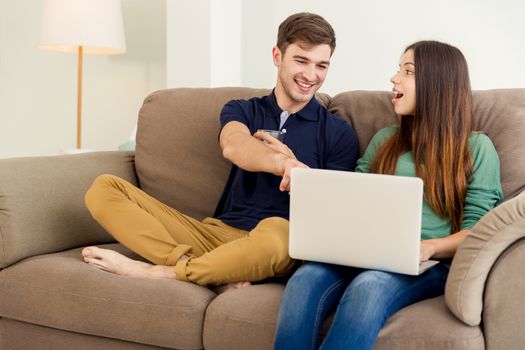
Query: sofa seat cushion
[(428, 325), (15, 335), (243, 318), (253, 311), (61, 291)]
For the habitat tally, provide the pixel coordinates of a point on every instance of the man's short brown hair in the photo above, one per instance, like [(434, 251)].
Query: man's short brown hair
[(305, 27)]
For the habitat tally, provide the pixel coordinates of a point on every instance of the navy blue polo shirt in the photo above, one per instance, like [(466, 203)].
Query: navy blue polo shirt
[(317, 137)]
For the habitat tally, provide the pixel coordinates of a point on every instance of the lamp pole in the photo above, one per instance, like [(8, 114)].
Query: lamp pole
[(79, 98)]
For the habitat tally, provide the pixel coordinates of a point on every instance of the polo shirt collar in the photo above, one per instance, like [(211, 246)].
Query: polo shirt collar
[(309, 112)]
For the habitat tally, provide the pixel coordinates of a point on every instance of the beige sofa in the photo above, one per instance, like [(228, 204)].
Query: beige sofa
[(50, 299)]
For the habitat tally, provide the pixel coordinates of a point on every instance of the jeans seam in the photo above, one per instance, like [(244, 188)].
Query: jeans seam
[(318, 320)]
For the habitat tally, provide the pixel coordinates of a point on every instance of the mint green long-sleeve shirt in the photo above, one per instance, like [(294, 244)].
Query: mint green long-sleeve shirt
[(483, 188)]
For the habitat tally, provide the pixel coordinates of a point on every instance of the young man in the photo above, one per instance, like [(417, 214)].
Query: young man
[(247, 239)]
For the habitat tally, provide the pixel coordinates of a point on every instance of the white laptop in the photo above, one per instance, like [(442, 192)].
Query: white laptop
[(364, 220)]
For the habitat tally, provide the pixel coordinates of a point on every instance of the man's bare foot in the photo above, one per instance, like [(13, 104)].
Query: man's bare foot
[(226, 287), (111, 261)]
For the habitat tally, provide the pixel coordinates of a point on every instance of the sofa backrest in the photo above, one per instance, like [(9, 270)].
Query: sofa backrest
[(178, 158), (501, 114), (367, 112), (42, 206)]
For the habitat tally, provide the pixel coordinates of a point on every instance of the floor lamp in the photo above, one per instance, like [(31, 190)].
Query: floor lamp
[(82, 27)]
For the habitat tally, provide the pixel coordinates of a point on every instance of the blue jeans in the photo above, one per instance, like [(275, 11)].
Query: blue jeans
[(364, 300)]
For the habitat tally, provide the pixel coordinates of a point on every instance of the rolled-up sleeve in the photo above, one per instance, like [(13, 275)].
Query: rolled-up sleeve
[(233, 111)]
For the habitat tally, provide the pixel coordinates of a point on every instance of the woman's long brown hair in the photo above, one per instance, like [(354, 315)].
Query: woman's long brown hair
[(438, 133)]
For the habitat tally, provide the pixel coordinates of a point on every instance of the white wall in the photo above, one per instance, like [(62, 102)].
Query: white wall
[(371, 36), (188, 43), (227, 43), (38, 88), (203, 43)]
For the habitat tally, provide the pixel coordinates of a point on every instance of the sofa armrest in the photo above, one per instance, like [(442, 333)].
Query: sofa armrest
[(503, 302), (42, 202), (477, 255)]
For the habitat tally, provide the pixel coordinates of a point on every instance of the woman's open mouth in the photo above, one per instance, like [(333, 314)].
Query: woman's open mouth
[(397, 96)]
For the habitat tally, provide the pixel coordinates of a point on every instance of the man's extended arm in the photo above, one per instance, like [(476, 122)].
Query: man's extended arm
[(249, 153)]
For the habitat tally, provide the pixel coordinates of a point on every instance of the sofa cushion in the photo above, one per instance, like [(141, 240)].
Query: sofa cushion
[(243, 318), (42, 202), (500, 113), (428, 325), (367, 111), (177, 127), (15, 335), (61, 291), (253, 311), (475, 257)]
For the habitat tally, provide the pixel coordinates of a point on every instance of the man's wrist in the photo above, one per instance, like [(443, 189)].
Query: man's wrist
[(280, 160)]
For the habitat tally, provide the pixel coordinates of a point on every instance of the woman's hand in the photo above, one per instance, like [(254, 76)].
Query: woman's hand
[(441, 248), (426, 250), (274, 144)]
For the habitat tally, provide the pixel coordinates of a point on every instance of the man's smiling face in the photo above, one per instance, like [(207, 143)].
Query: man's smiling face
[(301, 71)]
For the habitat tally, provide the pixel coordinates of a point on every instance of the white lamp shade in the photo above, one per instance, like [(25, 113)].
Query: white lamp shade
[(96, 25)]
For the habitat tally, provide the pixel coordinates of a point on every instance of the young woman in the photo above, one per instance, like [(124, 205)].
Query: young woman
[(460, 171)]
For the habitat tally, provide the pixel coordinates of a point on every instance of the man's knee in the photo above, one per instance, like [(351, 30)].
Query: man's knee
[(274, 234), (274, 224), (274, 231), (95, 196)]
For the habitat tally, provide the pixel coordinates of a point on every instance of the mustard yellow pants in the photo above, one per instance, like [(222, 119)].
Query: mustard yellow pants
[(218, 253)]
